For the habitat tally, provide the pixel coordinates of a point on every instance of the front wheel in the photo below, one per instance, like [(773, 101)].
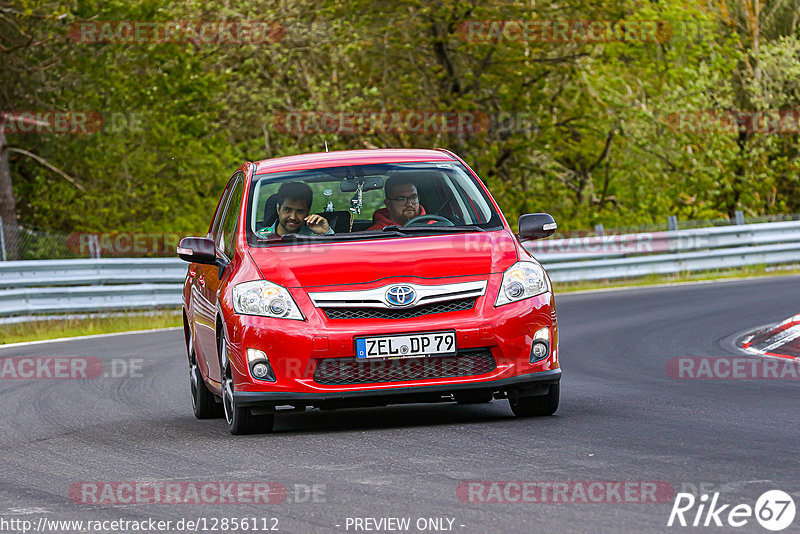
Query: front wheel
[(204, 405), (536, 406), (239, 418)]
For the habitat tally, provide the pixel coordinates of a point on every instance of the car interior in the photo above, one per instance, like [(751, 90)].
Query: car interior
[(363, 195)]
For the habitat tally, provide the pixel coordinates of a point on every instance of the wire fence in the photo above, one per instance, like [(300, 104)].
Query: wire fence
[(20, 242), (674, 224)]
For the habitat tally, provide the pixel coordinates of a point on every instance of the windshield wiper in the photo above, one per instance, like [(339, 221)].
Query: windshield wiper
[(434, 228), (334, 237)]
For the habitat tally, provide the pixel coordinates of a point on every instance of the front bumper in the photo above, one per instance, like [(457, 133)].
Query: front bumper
[(296, 349), (519, 386)]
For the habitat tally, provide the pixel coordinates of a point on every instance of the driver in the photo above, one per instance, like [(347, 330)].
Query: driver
[(402, 203), (293, 207)]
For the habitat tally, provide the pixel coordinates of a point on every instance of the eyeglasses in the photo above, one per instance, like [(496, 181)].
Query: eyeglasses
[(414, 199)]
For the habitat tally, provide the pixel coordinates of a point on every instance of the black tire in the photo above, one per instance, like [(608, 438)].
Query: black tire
[(204, 405), (240, 419), (539, 405), (473, 397)]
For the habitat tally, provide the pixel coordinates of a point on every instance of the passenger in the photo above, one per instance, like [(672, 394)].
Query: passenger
[(402, 203), (293, 207)]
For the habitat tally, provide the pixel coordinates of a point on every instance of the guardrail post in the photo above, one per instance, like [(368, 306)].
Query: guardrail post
[(3, 240), (673, 223), (739, 215), (96, 245)]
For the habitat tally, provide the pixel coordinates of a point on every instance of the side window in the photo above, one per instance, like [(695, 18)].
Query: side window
[(468, 196), (227, 234), (223, 202)]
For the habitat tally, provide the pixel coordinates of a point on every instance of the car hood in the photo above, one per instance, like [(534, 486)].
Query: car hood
[(363, 262)]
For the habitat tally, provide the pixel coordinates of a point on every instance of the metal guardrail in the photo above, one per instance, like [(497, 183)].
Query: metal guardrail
[(37, 273), (614, 246), (701, 249), (89, 298), (673, 263), (29, 288), (32, 288)]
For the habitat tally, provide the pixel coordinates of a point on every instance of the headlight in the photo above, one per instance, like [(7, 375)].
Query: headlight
[(265, 298), (522, 280)]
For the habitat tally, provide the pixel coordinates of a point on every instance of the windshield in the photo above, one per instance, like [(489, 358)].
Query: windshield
[(367, 201)]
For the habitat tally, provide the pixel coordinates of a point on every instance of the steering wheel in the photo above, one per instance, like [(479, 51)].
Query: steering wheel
[(423, 219)]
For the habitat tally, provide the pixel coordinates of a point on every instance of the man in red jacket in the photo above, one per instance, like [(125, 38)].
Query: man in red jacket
[(402, 203)]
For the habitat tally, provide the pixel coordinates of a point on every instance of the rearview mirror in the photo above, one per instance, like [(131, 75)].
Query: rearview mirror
[(536, 226), (197, 250), (349, 185)]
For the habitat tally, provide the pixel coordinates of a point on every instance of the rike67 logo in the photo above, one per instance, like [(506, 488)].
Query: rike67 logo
[(774, 510)]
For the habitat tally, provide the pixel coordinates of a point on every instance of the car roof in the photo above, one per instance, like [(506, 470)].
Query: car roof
[(342, 158)]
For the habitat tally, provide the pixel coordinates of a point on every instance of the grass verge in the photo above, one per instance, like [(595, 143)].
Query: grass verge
[(72, 326), (719, 274)]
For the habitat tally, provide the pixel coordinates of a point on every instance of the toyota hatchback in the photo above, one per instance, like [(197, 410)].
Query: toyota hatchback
[(365, 278)]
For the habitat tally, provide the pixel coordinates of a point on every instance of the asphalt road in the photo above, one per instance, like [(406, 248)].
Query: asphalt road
[(622, 418)]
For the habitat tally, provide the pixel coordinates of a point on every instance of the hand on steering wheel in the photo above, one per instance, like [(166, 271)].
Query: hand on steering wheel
[(421, 220)]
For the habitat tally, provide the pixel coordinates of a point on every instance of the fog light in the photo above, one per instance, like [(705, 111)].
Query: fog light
[(260, 370), (259, 365), (539, 350)]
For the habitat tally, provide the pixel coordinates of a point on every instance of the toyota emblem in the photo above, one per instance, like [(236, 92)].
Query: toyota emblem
[(401, 295)]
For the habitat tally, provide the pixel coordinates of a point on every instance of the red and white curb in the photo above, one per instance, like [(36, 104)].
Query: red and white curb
[(779, 341)]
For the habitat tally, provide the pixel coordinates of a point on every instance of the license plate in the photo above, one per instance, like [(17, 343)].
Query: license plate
[(406, 345)]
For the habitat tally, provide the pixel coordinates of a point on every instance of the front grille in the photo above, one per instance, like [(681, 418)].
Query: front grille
[(408, 313), (349, 371)]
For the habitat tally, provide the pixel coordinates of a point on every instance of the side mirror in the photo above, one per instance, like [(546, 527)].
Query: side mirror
[(536, 226), (197, 250)]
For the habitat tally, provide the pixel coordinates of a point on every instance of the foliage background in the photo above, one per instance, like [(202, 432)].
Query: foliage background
[(594, 147)]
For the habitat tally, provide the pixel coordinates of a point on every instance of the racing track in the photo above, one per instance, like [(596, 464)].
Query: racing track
[(622, 418)]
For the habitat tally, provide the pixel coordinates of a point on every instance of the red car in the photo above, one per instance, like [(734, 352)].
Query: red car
[(365, 278)]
